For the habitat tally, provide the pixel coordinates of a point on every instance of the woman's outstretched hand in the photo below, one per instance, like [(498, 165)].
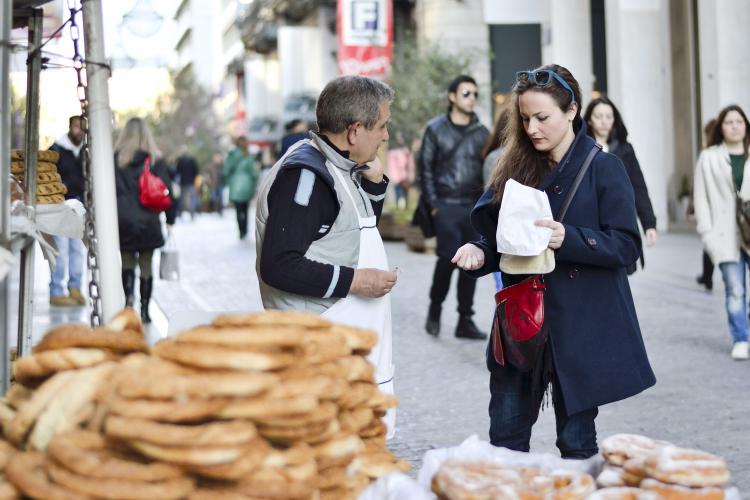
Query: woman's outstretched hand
[(558, 232), (469, 257)]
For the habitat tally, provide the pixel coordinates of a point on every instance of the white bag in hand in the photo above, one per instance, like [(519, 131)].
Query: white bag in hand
[(516, 232), (169, 266)]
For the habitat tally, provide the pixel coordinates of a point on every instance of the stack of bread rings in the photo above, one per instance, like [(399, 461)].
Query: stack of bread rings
[(49, 186), (268, 405), (642, 464)]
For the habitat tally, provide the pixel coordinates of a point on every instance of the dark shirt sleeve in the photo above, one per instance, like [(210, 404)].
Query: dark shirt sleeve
[(294, 223), (642, 201), (427, 157), (376, 192)]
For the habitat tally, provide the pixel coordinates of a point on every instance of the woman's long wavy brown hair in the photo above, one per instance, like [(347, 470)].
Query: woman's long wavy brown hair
[(520, 160), (716, 135)]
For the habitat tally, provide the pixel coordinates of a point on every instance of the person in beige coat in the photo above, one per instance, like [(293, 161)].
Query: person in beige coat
[(722, 169)]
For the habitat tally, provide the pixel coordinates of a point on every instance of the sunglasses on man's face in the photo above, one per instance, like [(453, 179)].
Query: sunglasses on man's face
[(542, 78), (467, 93)]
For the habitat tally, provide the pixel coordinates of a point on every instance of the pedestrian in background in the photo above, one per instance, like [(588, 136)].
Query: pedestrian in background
[(594, 353), (706, 277), (241, 175), (491, 152), (70, 251), (294, 131), (216, 183), (187, 172), (450, 169), (605, 124), (140, 228), (400, 170), (722, 172)]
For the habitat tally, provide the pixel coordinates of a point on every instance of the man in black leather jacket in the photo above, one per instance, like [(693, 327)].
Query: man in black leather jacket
[(450, 168)]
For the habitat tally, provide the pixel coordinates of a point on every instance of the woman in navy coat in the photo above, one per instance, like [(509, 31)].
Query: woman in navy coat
[(595, 353)]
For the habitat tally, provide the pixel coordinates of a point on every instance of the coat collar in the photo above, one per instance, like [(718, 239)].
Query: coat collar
[(331, 155), (572, 160)]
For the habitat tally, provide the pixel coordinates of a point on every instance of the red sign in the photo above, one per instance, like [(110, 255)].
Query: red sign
[(365, 32)]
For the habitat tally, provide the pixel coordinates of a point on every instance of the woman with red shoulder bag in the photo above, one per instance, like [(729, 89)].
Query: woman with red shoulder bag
[(593, 352), (140, 226)]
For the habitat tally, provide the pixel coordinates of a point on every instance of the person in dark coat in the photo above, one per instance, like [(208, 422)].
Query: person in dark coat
[(140, 228), (187, 171), (594, 354), (450, 173), (606, 126)]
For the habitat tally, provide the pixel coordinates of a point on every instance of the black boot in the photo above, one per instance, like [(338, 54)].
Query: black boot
[(466, 329), (128, 285), (433, 321), (147, 285)]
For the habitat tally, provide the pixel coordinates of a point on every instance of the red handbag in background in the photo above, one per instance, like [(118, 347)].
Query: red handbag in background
[(154, 194)]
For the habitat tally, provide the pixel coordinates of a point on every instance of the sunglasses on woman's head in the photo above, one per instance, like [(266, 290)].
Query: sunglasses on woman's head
[(467, 93), (542, 78)]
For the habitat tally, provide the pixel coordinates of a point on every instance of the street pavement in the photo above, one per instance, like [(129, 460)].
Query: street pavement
[(701, 398)]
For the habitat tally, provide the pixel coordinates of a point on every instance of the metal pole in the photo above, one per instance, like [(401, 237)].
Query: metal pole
[(33, 69), (102, 162), (6, 20)]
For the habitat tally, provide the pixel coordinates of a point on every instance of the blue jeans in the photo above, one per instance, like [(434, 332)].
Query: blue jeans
[(69, 261), (498, 281), (733, 274), (513, 413)]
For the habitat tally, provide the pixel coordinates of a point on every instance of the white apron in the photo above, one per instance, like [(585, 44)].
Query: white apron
[(371, 313)]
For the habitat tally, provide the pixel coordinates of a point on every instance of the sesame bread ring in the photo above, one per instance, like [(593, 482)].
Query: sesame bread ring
[(46, 363), (611, 476), (316, 385), (686, 467), (356, 419), (571, 484), (50, 188), (325, 346), (375, 428), (28, 473), (6, 451), (17, 167), (358, 395), (70, 406), (332, 477), (127, 319), (87, 453), (323, 414), (45, 166), (289, 435), (47, 177), (196, 385), (173, 411), (618, 448), (339, 450), (253, 458), (7, 490), (277, 318), (357, 369), (101, 337), (190, 455), (375, 465), (239, 336), (50, 200), (381, 402), (260, 407), (47, 155), (295, 480), (235, 432), (623, 493), (216, 357), (27, 414), (16, 154), (17, 395), (668, 491), (633, 471), (120, 488), (358, 339)]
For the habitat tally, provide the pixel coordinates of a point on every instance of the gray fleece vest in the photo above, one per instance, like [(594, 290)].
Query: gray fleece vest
[(340, 247)]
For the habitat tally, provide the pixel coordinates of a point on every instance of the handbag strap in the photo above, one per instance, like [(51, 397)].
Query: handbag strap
[(577, 182)]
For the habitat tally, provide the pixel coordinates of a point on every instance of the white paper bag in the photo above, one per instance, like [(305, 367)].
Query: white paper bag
[(169, 266), (516, 232)]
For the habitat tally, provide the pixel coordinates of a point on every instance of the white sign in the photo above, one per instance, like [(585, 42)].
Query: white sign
[(365, 23)]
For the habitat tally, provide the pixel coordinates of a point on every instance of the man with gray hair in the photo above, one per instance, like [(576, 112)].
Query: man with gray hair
[(318, 247)]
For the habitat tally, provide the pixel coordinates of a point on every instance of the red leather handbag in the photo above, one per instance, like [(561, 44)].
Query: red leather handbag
[(154, 194), (518, 331)]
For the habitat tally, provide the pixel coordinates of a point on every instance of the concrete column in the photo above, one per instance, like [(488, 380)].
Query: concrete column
[(640, 78), (566, 40), (459, 27), (724, 40)]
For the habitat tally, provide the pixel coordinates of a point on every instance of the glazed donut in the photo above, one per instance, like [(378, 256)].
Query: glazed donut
[(677, 492), (623, 493), (618, 448), (686, 467), (571, 485)]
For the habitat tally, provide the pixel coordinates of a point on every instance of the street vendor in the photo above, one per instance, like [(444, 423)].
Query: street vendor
[(318, 247)]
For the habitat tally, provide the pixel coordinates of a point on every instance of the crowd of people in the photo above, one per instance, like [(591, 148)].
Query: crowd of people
[(318, 248)]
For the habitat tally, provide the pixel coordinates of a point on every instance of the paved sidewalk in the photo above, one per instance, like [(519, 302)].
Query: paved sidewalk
[(701, 398)]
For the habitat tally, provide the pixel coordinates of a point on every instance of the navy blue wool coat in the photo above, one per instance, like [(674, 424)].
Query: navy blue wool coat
[(597, 348)]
